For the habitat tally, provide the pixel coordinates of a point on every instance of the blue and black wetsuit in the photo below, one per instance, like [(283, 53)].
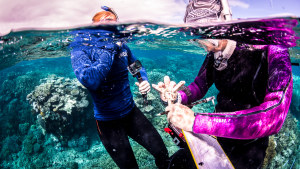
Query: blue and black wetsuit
[(100, 64)]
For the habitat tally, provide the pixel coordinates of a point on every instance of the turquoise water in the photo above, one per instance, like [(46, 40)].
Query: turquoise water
[(35, 64)]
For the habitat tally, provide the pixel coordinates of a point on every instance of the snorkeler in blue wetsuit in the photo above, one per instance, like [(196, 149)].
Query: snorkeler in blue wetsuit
[(100, 64)]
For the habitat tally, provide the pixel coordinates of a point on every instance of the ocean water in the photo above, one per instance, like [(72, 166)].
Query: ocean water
[(46, 116)]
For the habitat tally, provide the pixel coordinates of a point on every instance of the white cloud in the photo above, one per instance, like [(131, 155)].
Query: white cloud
[(65, 13), (283, 15), (238, 3), (159, 10)]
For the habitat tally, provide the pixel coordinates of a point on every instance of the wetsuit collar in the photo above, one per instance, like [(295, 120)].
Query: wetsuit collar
[(221, 57)]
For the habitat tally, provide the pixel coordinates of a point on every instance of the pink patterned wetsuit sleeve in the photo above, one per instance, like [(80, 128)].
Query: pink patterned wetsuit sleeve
[(260, 121), (200, 85)]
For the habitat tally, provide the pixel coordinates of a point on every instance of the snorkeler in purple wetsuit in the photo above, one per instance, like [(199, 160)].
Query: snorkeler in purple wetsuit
[(100, 64), (255, 89)]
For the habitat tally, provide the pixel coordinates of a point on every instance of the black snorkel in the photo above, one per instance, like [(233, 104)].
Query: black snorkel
[(108, 9), (134, 69)]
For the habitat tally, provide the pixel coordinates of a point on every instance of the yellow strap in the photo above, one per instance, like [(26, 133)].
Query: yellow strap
[(190, 150)]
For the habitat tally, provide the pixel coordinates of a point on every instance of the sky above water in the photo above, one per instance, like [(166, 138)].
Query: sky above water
[(16, 14)]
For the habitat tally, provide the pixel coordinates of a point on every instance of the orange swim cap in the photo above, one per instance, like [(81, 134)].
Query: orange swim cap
[(104, 16)]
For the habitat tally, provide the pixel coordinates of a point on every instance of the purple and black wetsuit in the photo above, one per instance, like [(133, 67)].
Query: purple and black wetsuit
[(255, 91)]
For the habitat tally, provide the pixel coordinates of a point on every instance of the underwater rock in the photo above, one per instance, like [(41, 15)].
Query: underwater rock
[(60, 103), (32, 141), (36, 147), (80, 144), (23, 128), (72, 165), (27, 145), (153, 107), (10, 145), (12, 105)]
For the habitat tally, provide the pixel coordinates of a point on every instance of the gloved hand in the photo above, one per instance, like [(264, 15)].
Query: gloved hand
[(180, 116), (144, 87), (168, 89)]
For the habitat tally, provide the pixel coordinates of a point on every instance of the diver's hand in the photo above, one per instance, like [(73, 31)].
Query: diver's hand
[(168, 89), (181, 116), (144, 87)]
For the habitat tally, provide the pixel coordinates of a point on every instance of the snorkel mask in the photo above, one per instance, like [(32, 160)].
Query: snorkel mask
[(108, 9)]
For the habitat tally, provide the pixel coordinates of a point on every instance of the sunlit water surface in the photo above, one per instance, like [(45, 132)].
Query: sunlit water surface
[(35, 65)]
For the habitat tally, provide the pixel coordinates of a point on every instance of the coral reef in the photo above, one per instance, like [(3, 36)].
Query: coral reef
[(32, 147), (61, 105), (284, 147), (14, 108), (295, 104), (42, 150), (76, 144)]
